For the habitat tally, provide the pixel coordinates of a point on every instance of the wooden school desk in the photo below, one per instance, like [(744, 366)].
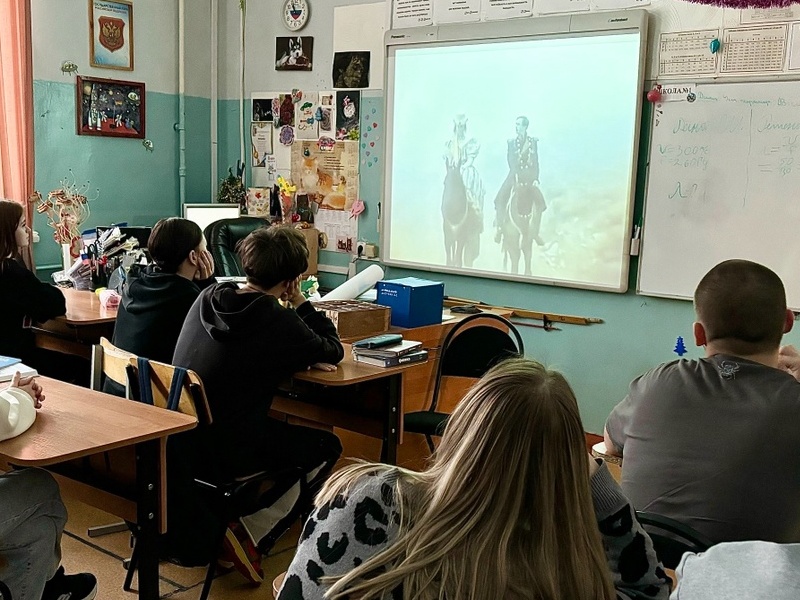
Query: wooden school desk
[(356, 397), (77, 423), (83, 325)]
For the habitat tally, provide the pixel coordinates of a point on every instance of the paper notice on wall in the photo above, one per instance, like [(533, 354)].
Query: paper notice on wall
[(305, 117), (545, 7), (756, 16), (341, 229), (456, 11), (754, 49), (493, 10), (360, 28), (411, 13), (687, 53), (329, 176), (794, 47), (260, 143)]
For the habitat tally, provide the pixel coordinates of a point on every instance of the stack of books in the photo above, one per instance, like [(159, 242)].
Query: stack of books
[(400, 353)]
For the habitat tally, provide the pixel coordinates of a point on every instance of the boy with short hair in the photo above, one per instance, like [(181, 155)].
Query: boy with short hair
[(243, 343), (714, 442)]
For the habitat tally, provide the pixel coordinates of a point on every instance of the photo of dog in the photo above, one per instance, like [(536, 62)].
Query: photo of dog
[(294, 53)]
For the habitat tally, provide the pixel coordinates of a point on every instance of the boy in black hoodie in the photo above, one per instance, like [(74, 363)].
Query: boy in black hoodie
[(243, 343), (155, 303)]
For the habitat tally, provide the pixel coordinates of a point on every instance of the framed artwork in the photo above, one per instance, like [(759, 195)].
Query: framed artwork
[(110, 107), (111, 34), (294, 53)]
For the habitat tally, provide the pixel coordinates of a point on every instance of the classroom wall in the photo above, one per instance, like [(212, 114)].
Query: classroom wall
[(135, 185), (599, 360)]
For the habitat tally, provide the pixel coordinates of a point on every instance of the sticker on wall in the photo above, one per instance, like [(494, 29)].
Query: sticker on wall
[(287, 135), (680, 347), (286, 110), (370, 138)]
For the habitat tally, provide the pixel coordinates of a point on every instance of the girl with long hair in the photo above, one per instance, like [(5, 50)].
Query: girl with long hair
[(511, 507), (155, 303), (23, 298)]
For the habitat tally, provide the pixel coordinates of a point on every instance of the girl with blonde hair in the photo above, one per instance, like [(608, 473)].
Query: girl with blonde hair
[(511, 507)]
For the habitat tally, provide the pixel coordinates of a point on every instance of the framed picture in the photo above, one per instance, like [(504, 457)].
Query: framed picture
[(111, 34), (110, 107), (294, 53)]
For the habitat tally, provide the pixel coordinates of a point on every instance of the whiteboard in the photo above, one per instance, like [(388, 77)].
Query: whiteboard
[(723, 182)]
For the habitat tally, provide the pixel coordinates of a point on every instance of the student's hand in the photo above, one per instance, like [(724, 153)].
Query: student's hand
[(205, 266), (294, 295), (789, 361), (29, 386), (323, 367)]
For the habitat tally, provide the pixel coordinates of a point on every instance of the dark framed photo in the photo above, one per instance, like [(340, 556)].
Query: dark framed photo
[(294, 53), (110, 107), (350, 70), (111, 34)]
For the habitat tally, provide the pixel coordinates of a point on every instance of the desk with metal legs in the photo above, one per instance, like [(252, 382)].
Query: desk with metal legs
[(77, 423)]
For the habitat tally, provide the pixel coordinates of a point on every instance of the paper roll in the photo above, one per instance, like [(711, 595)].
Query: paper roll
[(353, 288)]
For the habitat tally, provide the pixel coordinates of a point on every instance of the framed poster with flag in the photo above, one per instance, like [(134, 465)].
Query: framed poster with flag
[(111, 32)]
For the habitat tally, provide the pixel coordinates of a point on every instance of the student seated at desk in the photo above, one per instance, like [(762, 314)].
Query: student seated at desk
[(511, 507), (714, 442), (243, 343), (32, 519), (154, 303), (746, 570), (24, 299)]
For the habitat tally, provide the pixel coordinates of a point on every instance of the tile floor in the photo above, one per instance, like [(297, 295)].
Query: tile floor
[(103, 556)]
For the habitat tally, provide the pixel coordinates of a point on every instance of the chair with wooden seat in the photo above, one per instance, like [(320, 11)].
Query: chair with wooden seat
[(108, 374), (671, 539), (175, 388), (471, 348)]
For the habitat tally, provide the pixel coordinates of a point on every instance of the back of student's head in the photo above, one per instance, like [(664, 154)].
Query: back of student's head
[(10, 214), (171, 241), (742, 307), (271, 255), (505, 510)]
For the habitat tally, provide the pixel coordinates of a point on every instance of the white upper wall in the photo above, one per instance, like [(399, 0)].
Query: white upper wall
[(60, 30), (264, 24)]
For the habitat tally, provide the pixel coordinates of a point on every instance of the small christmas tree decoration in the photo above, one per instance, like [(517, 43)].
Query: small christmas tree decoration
[(231, 191), (680, 347)]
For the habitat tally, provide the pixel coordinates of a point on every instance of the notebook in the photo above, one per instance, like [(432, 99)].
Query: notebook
[(6, 361), (6, 373)]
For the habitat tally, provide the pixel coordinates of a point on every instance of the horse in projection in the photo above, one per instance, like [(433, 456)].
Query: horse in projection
[(461, 221), (522, 223)]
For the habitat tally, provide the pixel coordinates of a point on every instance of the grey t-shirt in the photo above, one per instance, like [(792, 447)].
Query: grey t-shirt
[(714, 443), (748, 570)]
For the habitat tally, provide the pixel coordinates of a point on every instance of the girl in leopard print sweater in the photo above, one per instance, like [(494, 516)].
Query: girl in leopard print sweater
[(510, 508)]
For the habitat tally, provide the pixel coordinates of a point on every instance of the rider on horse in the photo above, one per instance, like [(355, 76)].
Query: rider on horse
[(523, 165), (462, 152)]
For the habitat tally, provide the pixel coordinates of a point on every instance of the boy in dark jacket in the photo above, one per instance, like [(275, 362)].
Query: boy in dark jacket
[(243, 343)]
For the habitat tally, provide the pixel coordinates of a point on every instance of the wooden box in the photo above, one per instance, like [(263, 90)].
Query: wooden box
[(312, 241), (355, 319)]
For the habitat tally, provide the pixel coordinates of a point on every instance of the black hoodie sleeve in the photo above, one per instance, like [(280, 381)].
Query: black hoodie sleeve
[(312, 339), (40, 301)]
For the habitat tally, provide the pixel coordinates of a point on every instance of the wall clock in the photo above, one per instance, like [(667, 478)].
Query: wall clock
[(295, 14)]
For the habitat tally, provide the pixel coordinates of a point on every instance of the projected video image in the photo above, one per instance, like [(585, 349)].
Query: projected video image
[(514, 157)]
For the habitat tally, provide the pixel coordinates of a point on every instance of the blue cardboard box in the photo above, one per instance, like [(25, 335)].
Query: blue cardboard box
[(414, 302)]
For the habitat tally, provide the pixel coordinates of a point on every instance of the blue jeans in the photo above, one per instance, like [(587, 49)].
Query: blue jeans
[(32, 518)]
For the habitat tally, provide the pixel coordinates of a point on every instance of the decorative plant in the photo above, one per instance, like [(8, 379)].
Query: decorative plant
[(67, 208), (231, 191)]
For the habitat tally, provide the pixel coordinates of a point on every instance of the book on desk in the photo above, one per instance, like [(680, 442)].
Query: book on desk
[(392, 361), (7, 371)]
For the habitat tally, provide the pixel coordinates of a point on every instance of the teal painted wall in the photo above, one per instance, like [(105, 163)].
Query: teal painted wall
[(135, 185)]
